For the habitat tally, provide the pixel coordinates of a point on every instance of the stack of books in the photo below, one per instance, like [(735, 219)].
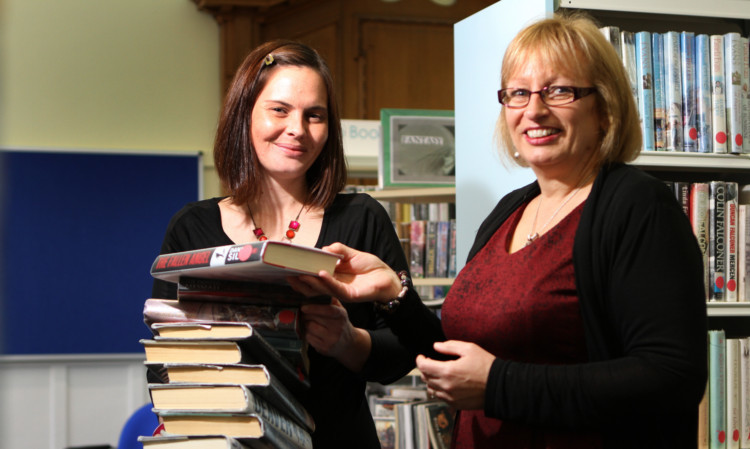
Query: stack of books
[(227, 360)]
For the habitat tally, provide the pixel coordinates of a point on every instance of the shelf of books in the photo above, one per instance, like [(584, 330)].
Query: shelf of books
[(689, 67)]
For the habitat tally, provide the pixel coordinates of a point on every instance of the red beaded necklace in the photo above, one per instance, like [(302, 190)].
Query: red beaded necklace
[(290, 233)]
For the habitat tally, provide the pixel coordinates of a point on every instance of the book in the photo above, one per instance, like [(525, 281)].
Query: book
[(687, 71), (229, 398), (248, 292), (733, 69), (627, 43), (682, 193), (430, 249), (417, 246), (743, 252), (452, 262), (213, 373), (732, 359), (730, 223), (657, 56), (268, 261), (276, 432), (442, 249), (718, 99), (440, 422), (673, 129), (717, 388), (253, 350), (717, 240), (699, 205), (194, 442), (703, 93), (745, 95), (612, 34), (266, 319), (645, 92), (744, 392)]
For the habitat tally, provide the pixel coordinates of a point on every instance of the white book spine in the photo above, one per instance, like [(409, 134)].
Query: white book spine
[(742, 252), (687, 69), (672, 92), (703, 93), (657, 56), (645, 75), (718, 97), (733, 69)]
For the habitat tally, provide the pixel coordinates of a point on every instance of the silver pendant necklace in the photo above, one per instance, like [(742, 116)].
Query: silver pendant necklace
[(535, 234)]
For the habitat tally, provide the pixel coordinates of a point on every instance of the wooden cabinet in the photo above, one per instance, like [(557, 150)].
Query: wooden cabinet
[(382, 54)]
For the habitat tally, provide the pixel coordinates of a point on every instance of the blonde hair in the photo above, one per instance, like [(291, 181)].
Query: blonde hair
[(575, 44)]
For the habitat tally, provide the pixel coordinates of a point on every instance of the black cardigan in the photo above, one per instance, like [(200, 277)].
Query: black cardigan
[(639, 278)]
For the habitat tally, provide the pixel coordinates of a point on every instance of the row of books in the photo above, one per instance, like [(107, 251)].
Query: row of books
[(721, 223), (406, 419), (227, 360), (725, 409), (691, 89)]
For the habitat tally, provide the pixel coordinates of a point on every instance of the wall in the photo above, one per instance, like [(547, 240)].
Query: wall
[(88, 74), (121, 74)]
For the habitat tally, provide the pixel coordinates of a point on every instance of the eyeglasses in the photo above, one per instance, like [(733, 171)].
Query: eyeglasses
[(551, 95)]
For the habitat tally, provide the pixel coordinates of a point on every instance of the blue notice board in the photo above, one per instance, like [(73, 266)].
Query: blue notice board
[(78, 233)]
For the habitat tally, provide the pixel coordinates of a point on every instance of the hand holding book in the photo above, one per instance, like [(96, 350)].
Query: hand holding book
[(358, 277)]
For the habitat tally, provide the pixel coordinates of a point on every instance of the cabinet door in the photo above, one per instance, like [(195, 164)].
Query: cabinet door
[(479, 45)]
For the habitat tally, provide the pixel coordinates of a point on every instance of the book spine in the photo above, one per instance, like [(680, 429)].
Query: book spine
[(268, 320), (673, 92), (657, 56), (718, 99), (733, 69), (452, 262), (612, 34), (717, 389), (745, 392), (645, 75), (430, 249), (417, 247), (703, 93), (687, 70), (743, 252), (733, 392), (627, 41), (443, 235), (699, 194), (717, 242), (682, 193), (270, 415), (732, 199), (745, 95)]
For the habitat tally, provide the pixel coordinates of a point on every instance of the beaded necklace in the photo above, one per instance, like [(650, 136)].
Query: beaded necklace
[(290, 233)]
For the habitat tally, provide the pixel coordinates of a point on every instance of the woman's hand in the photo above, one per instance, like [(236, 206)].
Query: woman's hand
[(329, 331), (461, 382), (359, 277)]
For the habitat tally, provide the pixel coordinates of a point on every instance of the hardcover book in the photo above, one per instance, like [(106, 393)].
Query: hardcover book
[(268, 320), (267, 261), (194, 442), (699, 200), (733, 68), (717, 411), (718, 99), (645, 76), (703, 93), (227, 398), (247, 292), (717, 254), (253, 350), (673, 92), (657, 56), (732, 201), (277, 432), (687, 70)]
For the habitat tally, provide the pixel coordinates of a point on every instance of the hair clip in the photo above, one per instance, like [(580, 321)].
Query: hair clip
[(268, 60)]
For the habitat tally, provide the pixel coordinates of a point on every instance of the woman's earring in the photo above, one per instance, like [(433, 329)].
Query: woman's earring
[(516, 155)]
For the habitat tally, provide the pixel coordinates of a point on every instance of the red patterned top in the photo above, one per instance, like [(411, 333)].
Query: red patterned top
[(522, 307)]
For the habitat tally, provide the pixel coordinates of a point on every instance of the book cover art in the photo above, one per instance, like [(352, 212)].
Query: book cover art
[(732, 202)]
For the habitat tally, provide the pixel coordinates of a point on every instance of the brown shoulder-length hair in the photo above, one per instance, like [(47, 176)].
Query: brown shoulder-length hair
[(235, 158), (574, 43)]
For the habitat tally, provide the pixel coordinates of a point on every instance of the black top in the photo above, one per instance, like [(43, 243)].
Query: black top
[(336, 398), (639, 277)]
